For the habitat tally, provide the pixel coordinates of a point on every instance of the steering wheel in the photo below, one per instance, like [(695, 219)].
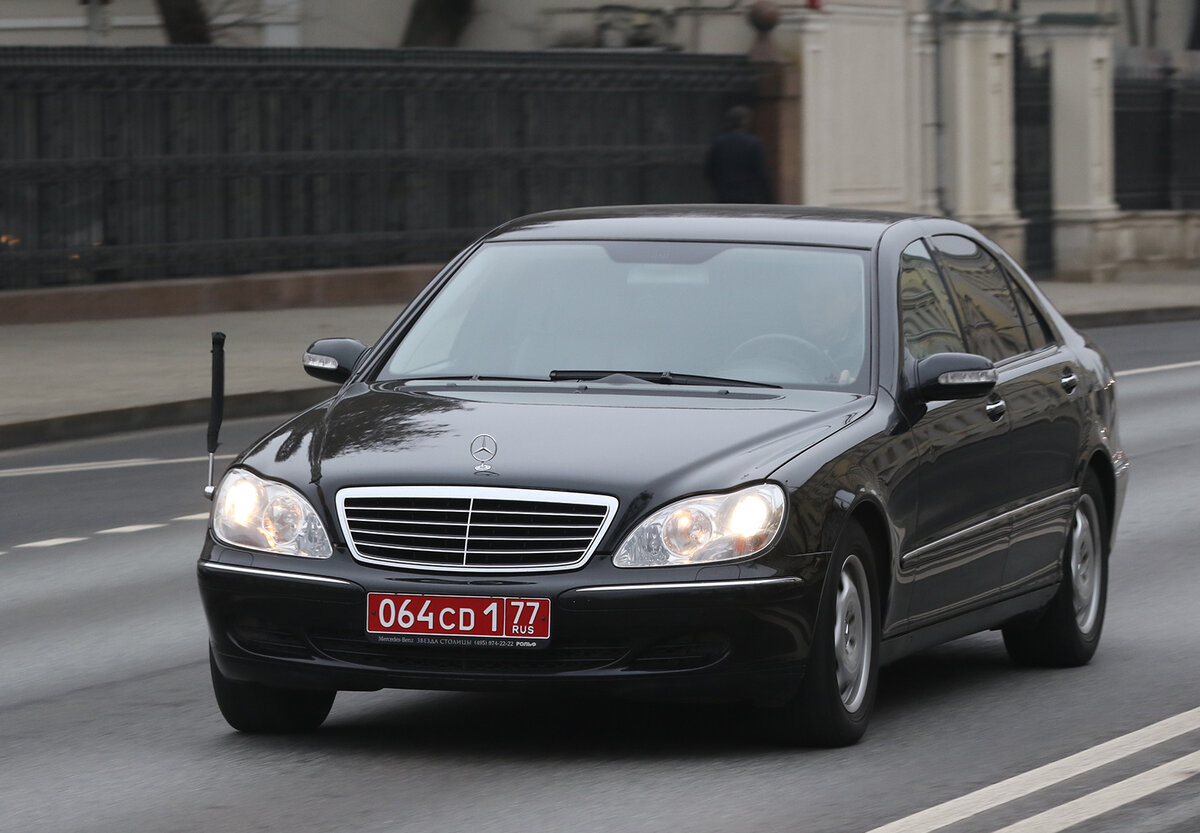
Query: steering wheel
[(798, 359)]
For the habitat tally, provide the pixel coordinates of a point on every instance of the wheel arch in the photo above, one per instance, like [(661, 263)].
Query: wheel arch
[(870, 517), (1102, 467)]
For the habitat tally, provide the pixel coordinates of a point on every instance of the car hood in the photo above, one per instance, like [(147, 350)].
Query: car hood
[(641, 441)]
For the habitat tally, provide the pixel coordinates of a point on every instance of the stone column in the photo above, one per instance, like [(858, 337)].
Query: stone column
[(281, 23), (776, 103), (810, 33), (976, 82), (1081, 107), (922, 124), (777, 123), (856, 87)]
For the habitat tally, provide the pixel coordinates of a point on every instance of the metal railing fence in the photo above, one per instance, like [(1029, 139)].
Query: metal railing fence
[(1156, 127), (160, 162), (1034, 174)]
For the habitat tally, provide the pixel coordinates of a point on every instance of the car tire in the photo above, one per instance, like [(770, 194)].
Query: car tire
[(837, 692), (260, 709), (1067, 632)]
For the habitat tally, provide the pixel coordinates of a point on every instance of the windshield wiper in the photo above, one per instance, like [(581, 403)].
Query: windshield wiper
[(663, 377), (467, 377)]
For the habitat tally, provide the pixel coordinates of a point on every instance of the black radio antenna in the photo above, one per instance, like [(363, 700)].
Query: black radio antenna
[(218, 406)]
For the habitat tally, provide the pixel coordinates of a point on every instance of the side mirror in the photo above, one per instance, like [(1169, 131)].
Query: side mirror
[(954, 376), (332, 359)]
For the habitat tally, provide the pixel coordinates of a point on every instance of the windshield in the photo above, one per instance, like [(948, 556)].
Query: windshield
[(657, 311)]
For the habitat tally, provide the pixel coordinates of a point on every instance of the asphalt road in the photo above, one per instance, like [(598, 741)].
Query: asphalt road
[(107, 722)]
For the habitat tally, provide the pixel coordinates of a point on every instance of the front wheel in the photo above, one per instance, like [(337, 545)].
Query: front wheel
[(837, 693), (1068, 632), (255, 708)]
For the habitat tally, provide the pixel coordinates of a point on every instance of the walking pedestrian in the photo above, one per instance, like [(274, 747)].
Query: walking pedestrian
[(736, 164)]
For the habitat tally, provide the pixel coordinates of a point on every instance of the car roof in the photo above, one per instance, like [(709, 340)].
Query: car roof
[(804, 225)]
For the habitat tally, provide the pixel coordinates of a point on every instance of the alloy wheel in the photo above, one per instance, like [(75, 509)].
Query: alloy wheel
[(1086, 564), (852, 633)]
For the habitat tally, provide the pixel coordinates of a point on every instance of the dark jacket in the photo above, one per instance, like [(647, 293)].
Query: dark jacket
[(736, 168)]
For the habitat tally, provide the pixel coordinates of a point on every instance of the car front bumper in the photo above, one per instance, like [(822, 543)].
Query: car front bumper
[(293, 623)]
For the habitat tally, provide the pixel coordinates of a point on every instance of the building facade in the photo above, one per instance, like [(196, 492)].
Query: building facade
[(377, 24)]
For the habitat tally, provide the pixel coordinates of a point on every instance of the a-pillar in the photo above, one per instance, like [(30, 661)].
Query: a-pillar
[(976, 103), (1081, 107)]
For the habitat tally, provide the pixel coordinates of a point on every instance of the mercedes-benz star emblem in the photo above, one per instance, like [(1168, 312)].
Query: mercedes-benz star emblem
[(483, 449)]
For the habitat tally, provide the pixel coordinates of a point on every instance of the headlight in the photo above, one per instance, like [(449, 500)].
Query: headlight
[(707, 528), (262, 515)]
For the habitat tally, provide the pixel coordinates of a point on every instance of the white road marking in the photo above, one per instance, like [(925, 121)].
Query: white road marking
[(134, 528), (1139, 370), (74, 467), (1110, 798), (116, 530), (134, 462), (49, 542), (1053, 773)]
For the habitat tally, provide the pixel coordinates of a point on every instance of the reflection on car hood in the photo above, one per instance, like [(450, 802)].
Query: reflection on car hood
[(639, 440)]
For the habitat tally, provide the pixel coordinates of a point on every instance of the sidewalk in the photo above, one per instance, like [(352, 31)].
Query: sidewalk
[(78, 379), (69, 380)]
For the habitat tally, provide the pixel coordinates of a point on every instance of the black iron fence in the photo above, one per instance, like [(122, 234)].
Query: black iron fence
[(160, 162), (1033, 182), (1156, 119)]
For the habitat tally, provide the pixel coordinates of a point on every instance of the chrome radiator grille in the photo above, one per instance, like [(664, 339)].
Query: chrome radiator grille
[(475, 529)]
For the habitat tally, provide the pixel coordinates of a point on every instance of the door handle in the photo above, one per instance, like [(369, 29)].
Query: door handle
[(1069, 380), (995, 410)]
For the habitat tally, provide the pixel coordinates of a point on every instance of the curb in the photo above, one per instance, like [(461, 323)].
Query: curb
[(1118, 318), (165, 415)]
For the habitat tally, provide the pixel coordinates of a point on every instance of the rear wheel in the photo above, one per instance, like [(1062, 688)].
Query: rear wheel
[(837, 693), (1068, 631), (255, 708)]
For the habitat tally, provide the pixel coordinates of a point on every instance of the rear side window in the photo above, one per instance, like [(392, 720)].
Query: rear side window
[(991, 321), (928, 315), (1036, 327)]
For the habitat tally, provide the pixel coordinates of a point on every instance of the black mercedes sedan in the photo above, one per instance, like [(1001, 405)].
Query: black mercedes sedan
[(687, 451)]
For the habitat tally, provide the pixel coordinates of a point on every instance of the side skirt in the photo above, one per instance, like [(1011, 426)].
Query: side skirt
[(986, 618)]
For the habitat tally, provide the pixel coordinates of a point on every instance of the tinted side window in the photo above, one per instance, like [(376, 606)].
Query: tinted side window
[(991, 322), (1036, 327), (929, 322)]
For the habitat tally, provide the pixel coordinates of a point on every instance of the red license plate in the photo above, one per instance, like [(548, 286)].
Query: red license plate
[(469, 617)]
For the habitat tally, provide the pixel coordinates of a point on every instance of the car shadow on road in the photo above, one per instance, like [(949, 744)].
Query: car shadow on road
[(956, 671), (538, 726), (519, 727)]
